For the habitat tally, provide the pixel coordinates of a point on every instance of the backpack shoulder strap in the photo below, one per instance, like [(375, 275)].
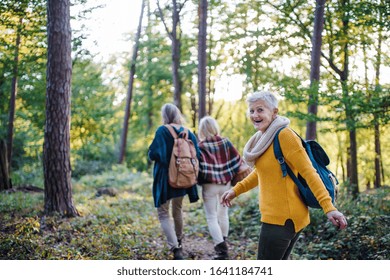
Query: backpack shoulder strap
[(280, 158), (278, 154), (184, 133), (172, 131)]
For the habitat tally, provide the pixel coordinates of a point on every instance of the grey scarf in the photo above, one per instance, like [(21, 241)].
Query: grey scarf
[(260, 142)]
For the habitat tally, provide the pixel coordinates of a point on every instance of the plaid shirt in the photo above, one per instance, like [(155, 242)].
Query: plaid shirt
[(219, 161)]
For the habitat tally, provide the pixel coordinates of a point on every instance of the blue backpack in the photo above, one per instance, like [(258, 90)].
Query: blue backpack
[(320, 160)]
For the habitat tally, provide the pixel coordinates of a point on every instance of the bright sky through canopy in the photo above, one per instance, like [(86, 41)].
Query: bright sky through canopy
[(109, 28)]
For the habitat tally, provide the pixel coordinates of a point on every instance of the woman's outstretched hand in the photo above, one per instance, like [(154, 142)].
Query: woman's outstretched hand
[(337, 218), (227, 198)]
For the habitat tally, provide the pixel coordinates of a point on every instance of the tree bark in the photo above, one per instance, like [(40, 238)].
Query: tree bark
[(311, 126), (350, 116), (378, 169), (56, 147), (123, 143), (5, 181), (352, 162), (174, 36), (14, 90), (202, 55), (176, 46), (150, 82), (378, 155)]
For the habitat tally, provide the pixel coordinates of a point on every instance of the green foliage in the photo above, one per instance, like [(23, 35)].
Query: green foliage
[(29, 174), (265, 41), (20, 203), (28, 19), (267, 44), (90, 167), (94, 125), (366, 238), (124, 225), (119, 227), (244, 225)]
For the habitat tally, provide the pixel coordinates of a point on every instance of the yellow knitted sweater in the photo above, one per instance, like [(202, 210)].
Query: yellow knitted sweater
[(279, 198)]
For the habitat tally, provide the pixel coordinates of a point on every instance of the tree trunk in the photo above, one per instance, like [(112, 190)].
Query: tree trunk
[(210, 84), (202, 55), (193, 109), (5, 181), (150, 82), (174, 35), (176, 45), (354, 163), (352, 169), (14, 90), (56, 147), (350, 115), (311, 126), (378, 169), (378, 155), (122, 149)]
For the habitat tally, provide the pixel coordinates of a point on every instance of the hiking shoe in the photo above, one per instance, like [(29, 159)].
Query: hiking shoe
[(178, 254), (222, 251)]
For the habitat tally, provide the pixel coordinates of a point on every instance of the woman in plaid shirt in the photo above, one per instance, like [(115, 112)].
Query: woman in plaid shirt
[(219, 162)]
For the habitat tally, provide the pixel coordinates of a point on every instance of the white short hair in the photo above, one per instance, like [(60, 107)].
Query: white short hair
[(267, 96)]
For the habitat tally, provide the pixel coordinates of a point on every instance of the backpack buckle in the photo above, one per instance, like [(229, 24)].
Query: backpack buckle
[(283, 166)]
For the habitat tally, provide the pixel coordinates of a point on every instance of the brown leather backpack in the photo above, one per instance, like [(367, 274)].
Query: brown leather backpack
[(184, 165)]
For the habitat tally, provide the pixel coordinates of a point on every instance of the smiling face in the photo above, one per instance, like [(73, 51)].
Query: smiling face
[(261, 114)]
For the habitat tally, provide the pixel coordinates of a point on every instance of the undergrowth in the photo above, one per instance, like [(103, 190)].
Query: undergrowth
[(366, 238), (122, 224)]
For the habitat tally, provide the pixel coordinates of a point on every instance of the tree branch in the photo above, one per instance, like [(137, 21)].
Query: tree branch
[(163, 20)]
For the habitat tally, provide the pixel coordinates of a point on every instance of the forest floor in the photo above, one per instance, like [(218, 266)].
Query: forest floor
[(203, 249), (122, 224), (117, 221), (196, 248)]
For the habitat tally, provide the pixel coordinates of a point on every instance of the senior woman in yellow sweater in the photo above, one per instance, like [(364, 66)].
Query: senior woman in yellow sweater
[(283, 214)]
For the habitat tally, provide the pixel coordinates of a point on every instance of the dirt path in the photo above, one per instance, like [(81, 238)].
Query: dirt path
[(196, 248), (201, 248)]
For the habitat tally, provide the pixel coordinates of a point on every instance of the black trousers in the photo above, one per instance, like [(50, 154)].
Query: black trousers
[(276, 242)]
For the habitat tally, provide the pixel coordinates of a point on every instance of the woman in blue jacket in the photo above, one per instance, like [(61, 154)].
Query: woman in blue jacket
[(164, 195)]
